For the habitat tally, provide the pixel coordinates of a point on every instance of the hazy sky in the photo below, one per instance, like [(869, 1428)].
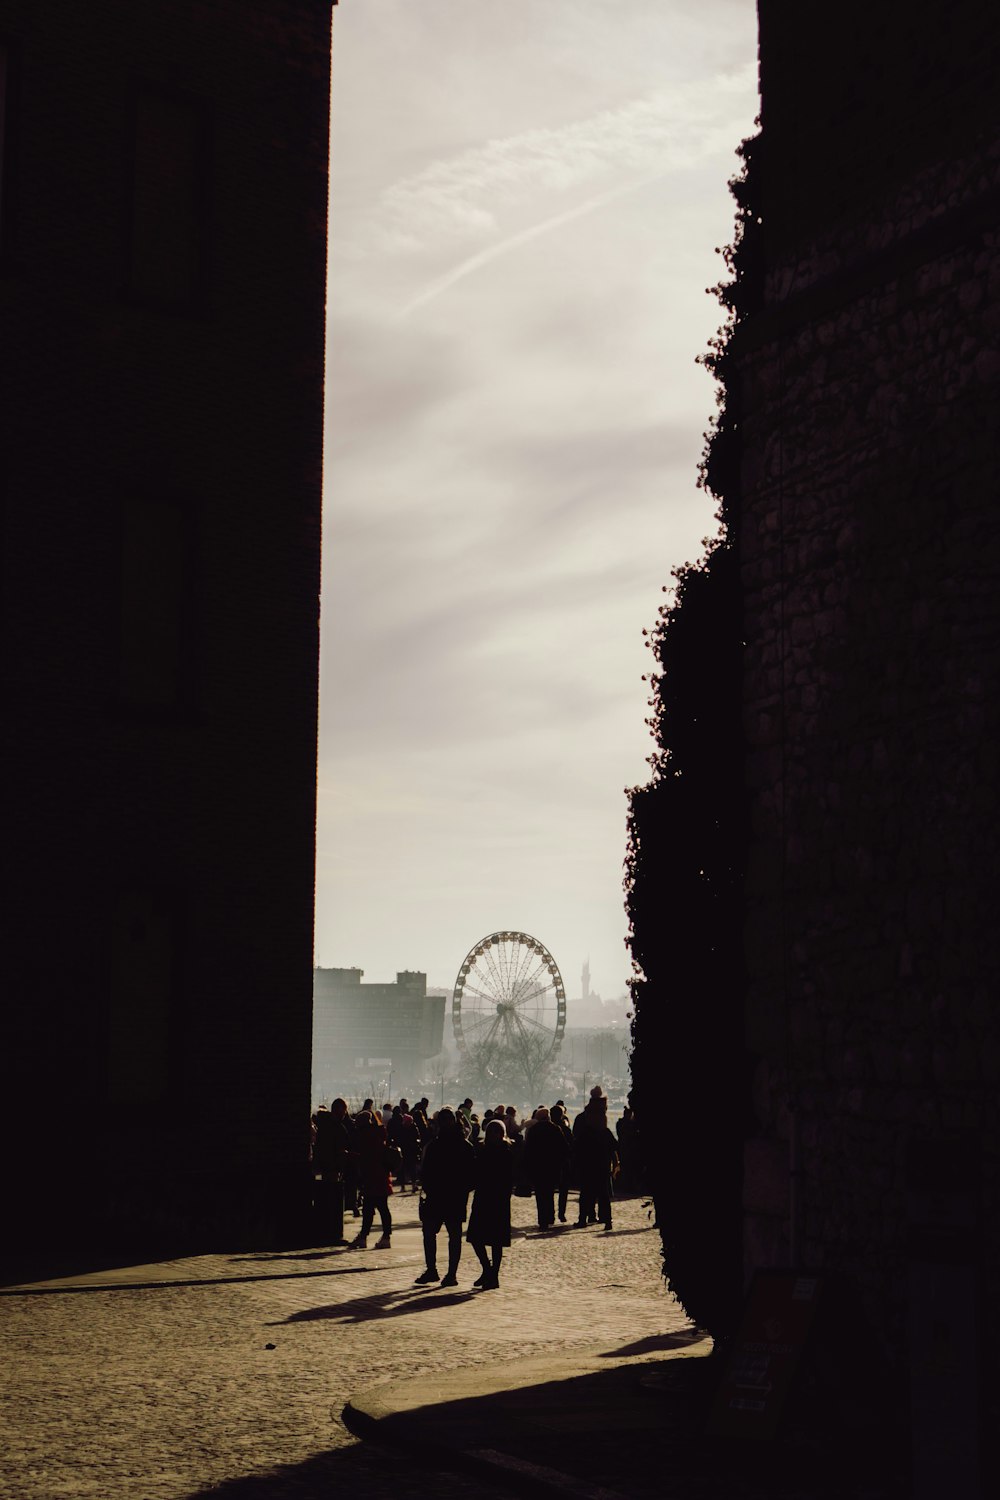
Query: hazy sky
[(525, 205)]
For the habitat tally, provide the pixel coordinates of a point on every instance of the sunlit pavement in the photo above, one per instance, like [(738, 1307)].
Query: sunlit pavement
[(229, 1375)]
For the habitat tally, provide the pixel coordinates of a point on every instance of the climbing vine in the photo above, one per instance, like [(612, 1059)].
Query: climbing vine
[(684, 866)]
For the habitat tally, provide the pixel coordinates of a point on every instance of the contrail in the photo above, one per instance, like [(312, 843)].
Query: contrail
[(514, 241)]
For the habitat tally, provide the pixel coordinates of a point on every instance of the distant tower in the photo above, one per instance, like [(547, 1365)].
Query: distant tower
[(585, 980)]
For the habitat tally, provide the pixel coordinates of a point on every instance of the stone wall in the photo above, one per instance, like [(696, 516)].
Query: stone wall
[(867, 382)]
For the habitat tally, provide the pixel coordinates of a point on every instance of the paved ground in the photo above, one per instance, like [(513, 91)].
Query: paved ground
[(228, 1376)]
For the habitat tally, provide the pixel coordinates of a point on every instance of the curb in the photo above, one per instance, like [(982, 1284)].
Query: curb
[(479, 1462), (467, 1446)]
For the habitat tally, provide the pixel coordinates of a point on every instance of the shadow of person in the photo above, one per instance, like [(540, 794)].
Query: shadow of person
[(381, 1305)]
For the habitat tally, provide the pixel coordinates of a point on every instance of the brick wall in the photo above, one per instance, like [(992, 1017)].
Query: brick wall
[(867, 382)]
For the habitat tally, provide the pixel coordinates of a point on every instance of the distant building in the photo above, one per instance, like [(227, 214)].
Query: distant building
[(360, 1030)]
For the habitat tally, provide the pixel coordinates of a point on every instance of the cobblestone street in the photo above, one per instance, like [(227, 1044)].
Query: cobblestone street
[(158, 1382)]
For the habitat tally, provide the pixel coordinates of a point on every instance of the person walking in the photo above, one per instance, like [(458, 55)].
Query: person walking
[(372, 1145), (489, 1220), (446, 1177)]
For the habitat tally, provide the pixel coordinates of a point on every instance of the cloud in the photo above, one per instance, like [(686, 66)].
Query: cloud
[(460, 197)]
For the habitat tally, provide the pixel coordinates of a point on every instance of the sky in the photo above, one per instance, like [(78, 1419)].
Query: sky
[(525, 205)]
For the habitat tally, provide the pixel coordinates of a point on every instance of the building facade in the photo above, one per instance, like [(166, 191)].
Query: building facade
[(864, 378), (162, 293)]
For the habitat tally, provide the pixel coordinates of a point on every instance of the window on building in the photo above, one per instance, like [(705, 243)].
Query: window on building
[(169, 193)]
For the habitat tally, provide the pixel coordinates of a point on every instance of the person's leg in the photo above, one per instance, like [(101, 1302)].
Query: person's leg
[(382, 1204), (480, 1250), (540, 1207), (563, 1195), (493, 1279), (604, 1200), (366, 1223), (454, 1228), (430, 1253)]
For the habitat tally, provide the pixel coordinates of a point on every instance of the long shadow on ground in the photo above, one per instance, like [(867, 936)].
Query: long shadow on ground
[(380, 1305)]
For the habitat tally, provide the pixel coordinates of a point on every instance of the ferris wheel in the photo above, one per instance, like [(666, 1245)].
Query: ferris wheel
[(509, 1005)]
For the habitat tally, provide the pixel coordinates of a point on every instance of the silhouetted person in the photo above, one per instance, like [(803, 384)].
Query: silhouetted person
[(489, 1221), (557, 1114), (410, 1147), (372, 1144), (331, 1150), (596, 1152), (546, 1156), (446, 1177), (419, 1113)]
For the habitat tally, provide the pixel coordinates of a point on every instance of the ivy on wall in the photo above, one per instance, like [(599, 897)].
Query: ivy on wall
[(684, 870)]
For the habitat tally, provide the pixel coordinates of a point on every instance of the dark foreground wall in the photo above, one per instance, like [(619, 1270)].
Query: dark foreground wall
[(866, 377), (162, 289)]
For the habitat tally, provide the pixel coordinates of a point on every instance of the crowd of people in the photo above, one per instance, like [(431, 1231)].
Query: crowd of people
[(359, 1160)]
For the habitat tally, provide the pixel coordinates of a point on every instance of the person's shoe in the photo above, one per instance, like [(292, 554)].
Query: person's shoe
[(384, 1243), (607, 1226), (426, 1277), (449, 1280), (562, 1218), (481, 1279), (359, 1242), (356, 1213), (339, 1243), (491, 1282)]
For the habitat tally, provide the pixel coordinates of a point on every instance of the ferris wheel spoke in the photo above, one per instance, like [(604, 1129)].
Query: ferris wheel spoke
[(526, 1041), (484, 1042), (495, 976), (525, 987), (478, 994), (487, 975), (503, 969), (533, 1021), (524, 963), (531, 976), (478, 1019)]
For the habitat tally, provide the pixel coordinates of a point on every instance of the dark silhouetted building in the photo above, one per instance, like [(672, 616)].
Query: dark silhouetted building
[(162, 293), (865, 383), (362, 1030)]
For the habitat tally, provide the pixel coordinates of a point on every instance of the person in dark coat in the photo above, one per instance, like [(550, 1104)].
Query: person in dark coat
[(331, 1148), (596, 1153), (489, 1221), (419, 1113), (546, 1156), (410, 1147), (558, 1117), (446, 1177), (371, 1144)]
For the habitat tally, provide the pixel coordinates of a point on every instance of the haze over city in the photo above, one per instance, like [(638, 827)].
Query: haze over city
[(523, 215)]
